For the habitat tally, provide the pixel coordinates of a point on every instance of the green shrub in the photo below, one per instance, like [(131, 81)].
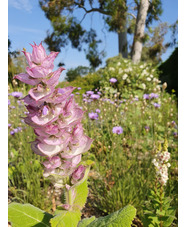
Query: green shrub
[(135, 79)]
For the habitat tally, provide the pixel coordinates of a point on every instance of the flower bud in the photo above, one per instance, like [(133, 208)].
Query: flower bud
[(78, 174), (164, 86)]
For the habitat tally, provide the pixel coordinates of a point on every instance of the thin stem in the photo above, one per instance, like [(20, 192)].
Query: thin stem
[(161, 194)]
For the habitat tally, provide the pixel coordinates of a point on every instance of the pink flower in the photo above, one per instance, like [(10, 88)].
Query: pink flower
[(55, 118), (78, 174), (52, 163)]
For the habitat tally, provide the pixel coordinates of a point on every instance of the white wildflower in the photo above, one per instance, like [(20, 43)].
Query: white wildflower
[(120, 71), (111, 69), (125, 76), (143, 86)]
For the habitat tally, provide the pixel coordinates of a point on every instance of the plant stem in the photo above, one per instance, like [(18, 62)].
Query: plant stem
[(161, 193)]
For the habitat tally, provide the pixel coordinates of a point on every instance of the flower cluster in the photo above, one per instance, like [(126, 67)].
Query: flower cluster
[(161, 163), (150, 96), (55, 118), (91, 96)]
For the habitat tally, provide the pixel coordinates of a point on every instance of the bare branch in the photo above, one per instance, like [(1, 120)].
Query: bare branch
[(131, 14), (83, 17), (92, 9)]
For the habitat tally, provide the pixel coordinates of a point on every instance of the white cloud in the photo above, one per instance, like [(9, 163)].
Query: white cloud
[(21, 4)]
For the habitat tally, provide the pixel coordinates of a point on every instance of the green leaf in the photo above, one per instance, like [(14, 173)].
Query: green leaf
[(66, 219), (120, 218), (26, 215), (81, 195), (86, 221), (81, 191), (167, 220)]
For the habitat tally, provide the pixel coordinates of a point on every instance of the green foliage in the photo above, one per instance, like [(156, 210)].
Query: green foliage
[(169, 72), (72, 74), (81, 195), (135, 79), (157, 210), (16, 65), (86, 221), (26, 215), (87, 83), (120, 218), (154, 45), (66, 219)]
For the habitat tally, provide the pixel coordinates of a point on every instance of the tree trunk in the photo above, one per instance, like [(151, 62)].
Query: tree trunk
[(139, 31), (122, 43), (122, 40)]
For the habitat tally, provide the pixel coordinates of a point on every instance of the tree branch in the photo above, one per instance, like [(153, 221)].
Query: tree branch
[(92, 9), (131, 14)]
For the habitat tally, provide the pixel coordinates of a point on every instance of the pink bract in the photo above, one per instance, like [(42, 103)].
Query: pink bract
[(55, 118)]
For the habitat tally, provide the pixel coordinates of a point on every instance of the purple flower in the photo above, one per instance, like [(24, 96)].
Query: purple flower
[(153, 95), (22, 120), (9, 125), (12, 132), (79, 88), (85, 100), (146, 96), (19, 128), (93, 116), (17, 94), (147, 128), (16, 130), (89, 92), (156, 105), (113, 80), (94, 96), (136, 99), (19, 102), (8, 102), (117, 129), (173, 123), (77, 93), (99, 93), (98, 110)]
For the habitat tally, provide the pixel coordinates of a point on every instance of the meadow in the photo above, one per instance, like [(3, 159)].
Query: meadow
[(129, 115)]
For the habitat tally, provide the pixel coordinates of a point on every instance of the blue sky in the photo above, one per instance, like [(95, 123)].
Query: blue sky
[(27, 24)]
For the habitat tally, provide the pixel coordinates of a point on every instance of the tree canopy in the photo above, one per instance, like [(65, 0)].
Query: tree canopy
[(120, 16)]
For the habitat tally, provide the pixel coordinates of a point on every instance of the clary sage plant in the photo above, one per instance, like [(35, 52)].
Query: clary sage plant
[(56, 119)]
